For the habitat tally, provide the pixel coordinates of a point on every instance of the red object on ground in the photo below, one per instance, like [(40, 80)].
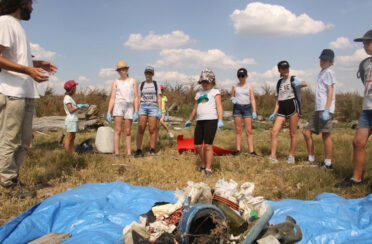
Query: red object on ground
[(187, 144)]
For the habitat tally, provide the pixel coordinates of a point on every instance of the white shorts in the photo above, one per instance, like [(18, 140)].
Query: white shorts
[(123, 109)]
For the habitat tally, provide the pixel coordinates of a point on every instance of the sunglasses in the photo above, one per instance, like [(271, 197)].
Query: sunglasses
[(122, 69), (241, 76), (148, 73)]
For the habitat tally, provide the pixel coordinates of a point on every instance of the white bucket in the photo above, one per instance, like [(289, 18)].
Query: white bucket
[(105, 139)]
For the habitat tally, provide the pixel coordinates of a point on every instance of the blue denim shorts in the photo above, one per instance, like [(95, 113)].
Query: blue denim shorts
[(365, 119), (244, 110), (72, 126), (148, 109)]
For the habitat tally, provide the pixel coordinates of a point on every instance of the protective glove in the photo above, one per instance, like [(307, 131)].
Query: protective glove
[(188, 124), (108, 117), (254, 116), (233, 100), (159, 114), (325, 115), (166, 116), (84, 105), (135, 117), (272, 116), (220, 124), (296, 82)]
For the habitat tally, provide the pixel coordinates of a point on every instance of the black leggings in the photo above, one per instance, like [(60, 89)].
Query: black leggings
[(205, 131)]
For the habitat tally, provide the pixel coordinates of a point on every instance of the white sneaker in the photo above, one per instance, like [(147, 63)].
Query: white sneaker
[(273, 160), (291, 159), (170, 134)]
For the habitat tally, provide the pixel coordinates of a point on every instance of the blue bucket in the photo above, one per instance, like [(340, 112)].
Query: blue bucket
[(198, 221)]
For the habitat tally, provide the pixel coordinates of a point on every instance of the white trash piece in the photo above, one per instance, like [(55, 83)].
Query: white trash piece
[(105, 139)]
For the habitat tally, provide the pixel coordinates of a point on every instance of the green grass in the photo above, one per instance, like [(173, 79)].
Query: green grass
[(50, 170)]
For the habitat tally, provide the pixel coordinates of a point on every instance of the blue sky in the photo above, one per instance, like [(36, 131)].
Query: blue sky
[(85, 39)]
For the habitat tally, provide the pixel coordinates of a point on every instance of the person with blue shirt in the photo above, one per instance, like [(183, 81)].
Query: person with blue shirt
[(287, 107), (244, 110)]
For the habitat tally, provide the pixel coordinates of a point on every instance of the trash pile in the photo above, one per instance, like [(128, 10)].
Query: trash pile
[(225, 214)]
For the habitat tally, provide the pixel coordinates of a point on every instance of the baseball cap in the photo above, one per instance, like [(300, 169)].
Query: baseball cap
[(242, 71), (367, 36), (70, 84), (161, 87), (327, 54), (283, 64), (149, 69), (121, 64), (207, 75)]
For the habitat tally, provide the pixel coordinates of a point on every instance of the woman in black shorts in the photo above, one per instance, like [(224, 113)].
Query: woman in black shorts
[(288, 92)]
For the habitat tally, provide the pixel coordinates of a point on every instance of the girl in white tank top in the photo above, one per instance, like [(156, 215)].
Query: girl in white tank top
[(124, 106), (244, 110)]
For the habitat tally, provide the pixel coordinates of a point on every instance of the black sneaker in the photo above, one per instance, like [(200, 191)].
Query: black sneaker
[(201, 169), (253, 153), (152, 151), (348, 183), (236, 153), (138, 153), (326, 167)]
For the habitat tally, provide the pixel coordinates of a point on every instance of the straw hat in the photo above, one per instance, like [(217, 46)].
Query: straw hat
[(121, 64)]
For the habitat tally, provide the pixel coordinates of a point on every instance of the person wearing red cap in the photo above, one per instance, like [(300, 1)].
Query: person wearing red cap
[(18, 89), (164, 110), (71, 121)]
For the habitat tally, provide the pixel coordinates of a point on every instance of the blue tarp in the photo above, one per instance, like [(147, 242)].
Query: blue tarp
[(97, 213)]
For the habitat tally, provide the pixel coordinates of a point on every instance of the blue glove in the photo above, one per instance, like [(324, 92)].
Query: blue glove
[(254, 116), (135, 117), (188, 124), (220, 124), (85, 105), (272, 116), (166, 116), (108, 117), (159, 114), (325, 115), (233, 100), (296, 82)]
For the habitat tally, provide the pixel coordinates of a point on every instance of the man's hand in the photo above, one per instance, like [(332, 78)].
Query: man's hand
[(47, 66), (38, 74)]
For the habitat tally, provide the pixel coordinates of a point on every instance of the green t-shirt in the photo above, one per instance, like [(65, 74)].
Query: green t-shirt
[(164, 99)]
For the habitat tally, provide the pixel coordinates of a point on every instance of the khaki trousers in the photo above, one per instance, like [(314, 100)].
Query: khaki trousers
[(15, 135)]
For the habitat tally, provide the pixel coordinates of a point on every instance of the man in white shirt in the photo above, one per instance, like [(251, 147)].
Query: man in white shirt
[(18, 90)]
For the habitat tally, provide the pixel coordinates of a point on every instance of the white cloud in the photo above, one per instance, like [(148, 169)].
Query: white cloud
[(341, 43), (192, 58), (152, 41), (40, 53), (267, 19), (83, 79), (107, 72), (173, 76), (353, 59)]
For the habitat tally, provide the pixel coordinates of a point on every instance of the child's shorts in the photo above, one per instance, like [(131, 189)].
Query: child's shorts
[(287, 108), (72, 126), (242, 110), (205, 131), (123, 109), (148, 109), (317, 125), (365, 119)]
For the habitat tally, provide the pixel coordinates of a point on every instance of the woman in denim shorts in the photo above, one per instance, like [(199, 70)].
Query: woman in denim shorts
[(149, 110), (244, 110)]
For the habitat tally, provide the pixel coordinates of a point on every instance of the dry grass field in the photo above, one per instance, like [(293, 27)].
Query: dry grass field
[(50, 170)]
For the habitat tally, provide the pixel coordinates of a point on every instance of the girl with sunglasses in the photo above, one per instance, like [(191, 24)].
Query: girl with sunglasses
[(244, 110)]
